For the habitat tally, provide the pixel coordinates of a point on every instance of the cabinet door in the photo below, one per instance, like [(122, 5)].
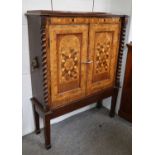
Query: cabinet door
[(68, 48), (103, 52)]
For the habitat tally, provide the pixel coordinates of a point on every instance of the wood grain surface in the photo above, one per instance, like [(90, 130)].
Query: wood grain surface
[(68, 48), (103, 50)]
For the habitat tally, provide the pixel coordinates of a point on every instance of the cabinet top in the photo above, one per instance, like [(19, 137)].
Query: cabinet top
[(70, 14)]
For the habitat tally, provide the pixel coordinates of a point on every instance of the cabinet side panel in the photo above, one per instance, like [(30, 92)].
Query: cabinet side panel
[(34, 25)]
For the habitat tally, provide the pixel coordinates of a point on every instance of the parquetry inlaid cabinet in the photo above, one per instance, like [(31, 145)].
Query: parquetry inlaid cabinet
[(75, 61)]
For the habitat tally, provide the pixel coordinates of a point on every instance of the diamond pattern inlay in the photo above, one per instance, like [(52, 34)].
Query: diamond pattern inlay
[(102, 49), (69, 65), (69, 54)]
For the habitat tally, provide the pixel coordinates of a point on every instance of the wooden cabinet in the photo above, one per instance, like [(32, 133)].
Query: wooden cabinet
[(75, 61)]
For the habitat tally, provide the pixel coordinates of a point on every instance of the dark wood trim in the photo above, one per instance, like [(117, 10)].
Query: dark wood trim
[(73, 105), (36, 119), (124, 21), (70, 14), (47, 130), (99, 104), (82, 102), (113, 102), (39, 108)]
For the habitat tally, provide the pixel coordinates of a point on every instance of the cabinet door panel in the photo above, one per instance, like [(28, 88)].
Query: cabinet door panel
[(68, 48), (103, 51)]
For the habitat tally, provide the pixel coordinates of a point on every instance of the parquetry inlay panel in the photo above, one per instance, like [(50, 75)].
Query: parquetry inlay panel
[(102, 50), (69, 48)]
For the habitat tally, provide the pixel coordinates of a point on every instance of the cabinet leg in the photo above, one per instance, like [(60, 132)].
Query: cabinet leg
[(99, 104), (36, 120), (47, 131), (113, 102)]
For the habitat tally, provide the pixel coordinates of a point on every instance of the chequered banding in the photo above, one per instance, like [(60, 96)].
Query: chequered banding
[(44, 64), (121, 49)]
